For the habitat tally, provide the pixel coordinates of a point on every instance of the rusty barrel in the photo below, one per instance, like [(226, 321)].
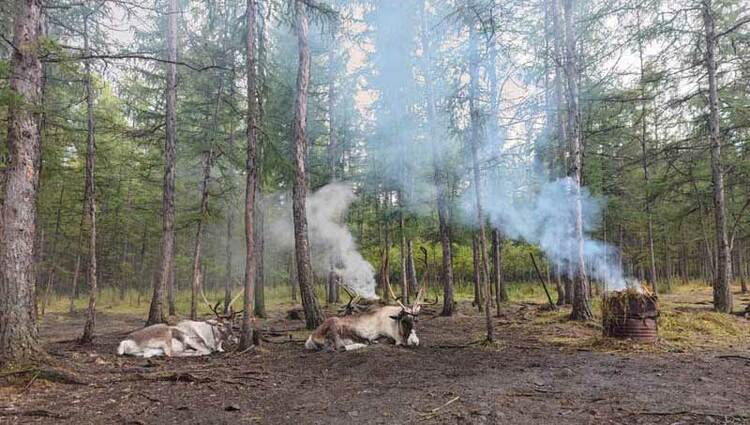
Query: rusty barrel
[(630, 315)]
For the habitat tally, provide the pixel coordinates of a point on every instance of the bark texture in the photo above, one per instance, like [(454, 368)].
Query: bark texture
[(581, 303), (18, 330), (90, 195), (246, 336), (723, 276), (166, 278)]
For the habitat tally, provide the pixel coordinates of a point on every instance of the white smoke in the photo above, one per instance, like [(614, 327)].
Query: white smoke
[(331, 243), (542, 212)]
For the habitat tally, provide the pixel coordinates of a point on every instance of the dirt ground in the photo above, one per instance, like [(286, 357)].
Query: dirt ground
[(526, 378)]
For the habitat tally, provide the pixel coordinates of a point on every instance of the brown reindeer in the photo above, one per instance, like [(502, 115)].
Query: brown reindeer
[(353, 332)]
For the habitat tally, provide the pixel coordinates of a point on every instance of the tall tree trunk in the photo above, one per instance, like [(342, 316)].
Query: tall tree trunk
[(644, 164), (260, 213), (90, 194), (197, 278), (477, 177), (438, 175), (332, 149), (156, 310), (248, 336), (18, 330), (723, 278), (313, 313), (581, 303)]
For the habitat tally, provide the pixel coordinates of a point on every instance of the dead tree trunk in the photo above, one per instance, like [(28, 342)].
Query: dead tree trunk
[(723, 279), (197, 278), (247, 336), (156, 310), (313, 313), (90, 195), (581, 303), (18, 331)]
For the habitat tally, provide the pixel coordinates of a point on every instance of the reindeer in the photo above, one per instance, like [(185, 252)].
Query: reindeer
[(353, 332), (187, 338)]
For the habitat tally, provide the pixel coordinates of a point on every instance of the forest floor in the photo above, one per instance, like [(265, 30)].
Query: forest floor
[(543, 369)]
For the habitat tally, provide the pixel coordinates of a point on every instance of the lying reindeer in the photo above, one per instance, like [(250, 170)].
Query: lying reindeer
[(187, 338), (357, 331)]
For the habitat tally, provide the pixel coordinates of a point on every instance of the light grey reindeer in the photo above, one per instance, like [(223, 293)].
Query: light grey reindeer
[(186, 339)]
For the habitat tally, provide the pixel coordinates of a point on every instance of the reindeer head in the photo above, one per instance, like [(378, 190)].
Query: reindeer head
[(408, 316), (223, 324)]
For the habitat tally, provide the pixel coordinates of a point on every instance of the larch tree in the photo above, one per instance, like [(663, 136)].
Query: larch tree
[(18, 331), (723, 278), (581, 303), (166, 273), (313, 313), (475, 136), (90, 190), (251, 174)]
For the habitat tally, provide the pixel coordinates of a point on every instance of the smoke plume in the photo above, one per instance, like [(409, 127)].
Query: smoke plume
[(543, 213), (331, 243)]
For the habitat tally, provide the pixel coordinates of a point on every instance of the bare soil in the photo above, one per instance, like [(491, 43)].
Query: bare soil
[(451, 378)]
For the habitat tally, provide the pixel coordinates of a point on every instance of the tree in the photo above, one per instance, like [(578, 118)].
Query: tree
[(197, 275), (723, 278), (581, 304), (477, 177), (166, 275), (313, 313), (90, 192), (18, 331), (247, 335), (438, 165)]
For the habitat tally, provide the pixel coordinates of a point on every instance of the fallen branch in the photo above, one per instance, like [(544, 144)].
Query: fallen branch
[(432, 413), (166, 377), (733, 356), (36, 412)]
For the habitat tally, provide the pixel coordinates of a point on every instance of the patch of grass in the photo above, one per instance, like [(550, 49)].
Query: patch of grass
[(683, 326), (694, 329)]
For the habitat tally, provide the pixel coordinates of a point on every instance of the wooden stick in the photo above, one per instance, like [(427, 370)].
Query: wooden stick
[(433, 412), (541, 279)]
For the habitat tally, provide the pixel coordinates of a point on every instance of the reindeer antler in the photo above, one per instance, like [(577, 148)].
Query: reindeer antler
[(395, 297), (208, 304)]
